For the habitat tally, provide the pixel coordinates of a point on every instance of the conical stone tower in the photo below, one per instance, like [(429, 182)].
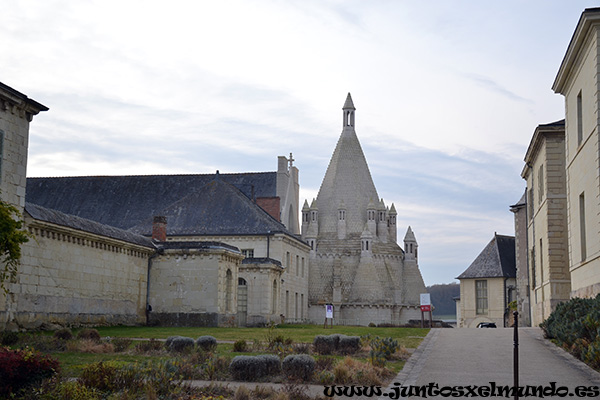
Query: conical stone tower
[(355, 262)]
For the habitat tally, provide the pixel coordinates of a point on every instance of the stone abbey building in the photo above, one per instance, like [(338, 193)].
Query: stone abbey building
[(204, 249), (356, 263)]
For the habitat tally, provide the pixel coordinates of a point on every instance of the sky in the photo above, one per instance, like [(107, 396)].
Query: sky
[(447, 92)]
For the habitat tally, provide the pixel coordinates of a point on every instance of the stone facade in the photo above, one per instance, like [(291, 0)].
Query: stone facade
[(577, 80), (548, 266), (286, 260), (355, 262), (16, 112), (521, 258), (563, 183), (194, 284)]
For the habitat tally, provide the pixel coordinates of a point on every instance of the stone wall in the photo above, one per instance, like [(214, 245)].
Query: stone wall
[(70, 277), (194, 287)]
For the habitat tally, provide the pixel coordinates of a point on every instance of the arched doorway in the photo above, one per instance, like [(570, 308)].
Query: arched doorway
[(242, 295)]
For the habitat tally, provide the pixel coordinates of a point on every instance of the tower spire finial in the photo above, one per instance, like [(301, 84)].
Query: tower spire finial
[(348, 110)]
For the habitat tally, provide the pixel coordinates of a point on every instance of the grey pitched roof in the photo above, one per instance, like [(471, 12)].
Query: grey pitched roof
[(126, 201), (218, 208), (82, 224), (496, 260)]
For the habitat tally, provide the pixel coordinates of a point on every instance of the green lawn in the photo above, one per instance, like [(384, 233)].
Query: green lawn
[(73, 362), (408, 337)]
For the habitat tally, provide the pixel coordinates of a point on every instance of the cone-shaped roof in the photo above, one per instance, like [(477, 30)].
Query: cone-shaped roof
[(410, 236), (347, 179), (349, 104)]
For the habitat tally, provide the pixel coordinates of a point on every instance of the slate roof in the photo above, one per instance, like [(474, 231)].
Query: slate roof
[(218, 208), (86, 225), (177, 245), (127, 201), (496, 260)]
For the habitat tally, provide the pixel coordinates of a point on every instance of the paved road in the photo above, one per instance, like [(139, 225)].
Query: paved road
[(459, 357)]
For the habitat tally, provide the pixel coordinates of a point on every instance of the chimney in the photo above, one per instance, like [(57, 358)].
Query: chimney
[(159, 229)]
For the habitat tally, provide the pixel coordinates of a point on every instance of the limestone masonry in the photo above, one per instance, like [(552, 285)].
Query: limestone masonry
[(203, 250)]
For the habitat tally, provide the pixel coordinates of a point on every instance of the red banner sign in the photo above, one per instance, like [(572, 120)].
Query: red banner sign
[(426, 308)]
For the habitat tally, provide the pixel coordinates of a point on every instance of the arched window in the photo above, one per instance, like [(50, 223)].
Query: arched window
[(274, 305), (228, 291)]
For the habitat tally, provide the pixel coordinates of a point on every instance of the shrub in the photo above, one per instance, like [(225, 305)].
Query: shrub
[(324, 344), (246, 368), (325, 377), (181, 344), (349, 344), (121, 344), (89, 334), (63, 334), (302, 348), (8, 338), (240, 346), (148, 346), (351, 371), (298, 367), (272, 363), (90, 346), (99, 375), (170, 340), (206, 343), (74, 390), (43, 343), (21, 368)]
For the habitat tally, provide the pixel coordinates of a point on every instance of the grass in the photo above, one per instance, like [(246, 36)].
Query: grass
[(73, 362), (408, 337)]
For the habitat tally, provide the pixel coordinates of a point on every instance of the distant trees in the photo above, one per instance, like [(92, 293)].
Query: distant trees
[(442, 298)]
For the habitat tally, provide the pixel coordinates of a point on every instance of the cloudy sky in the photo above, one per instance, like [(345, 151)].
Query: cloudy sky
[(448, 94)]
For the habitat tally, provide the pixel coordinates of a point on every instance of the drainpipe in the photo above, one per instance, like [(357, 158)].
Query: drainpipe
[(159, 250)]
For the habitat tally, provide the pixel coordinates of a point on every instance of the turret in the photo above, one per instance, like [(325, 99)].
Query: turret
[(305, 218), (410, 245), (392, 224), (382, 226), (313, 226), (371, 217), (348, 110), (366, 242), (341, 228)]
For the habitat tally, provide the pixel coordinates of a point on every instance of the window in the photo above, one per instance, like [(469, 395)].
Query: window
[(248, 253), (530, 201), (287, 303), (481, 297), (541, 263), (287, 260), (296, 307), (303, 267), (297, 265), (342, 215), (541, 183), (582, 226), (302, 306), (1, 152), (579, 119), (532, 260)]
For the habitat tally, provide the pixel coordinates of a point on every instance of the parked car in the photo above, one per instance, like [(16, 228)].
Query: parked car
[(486, 325)]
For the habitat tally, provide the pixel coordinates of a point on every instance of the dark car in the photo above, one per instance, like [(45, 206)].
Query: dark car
[(486, 325)]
